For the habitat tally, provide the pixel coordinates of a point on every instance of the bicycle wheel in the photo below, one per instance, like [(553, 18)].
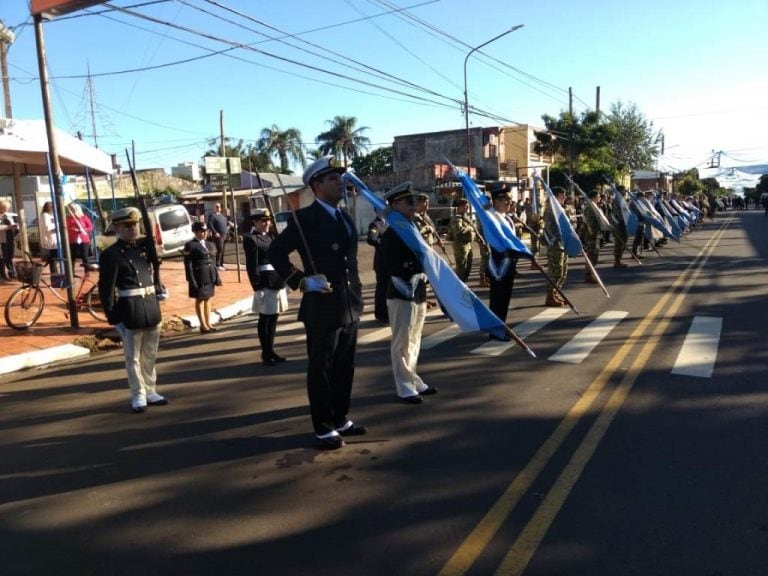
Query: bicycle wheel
[(24, 307), (93, 301)]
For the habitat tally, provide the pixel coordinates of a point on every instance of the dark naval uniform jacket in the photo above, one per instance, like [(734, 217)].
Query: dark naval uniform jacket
[(335, 255), (200, 268), (261, 272), (401, 263), (126, 286)]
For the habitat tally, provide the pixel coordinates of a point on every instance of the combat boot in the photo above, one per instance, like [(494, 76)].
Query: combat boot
[(618, 263), (552, 300), (589, 278)]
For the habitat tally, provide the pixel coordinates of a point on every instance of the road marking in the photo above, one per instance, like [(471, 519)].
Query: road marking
[(526, 544), (481, 535), (524, 330), (580, 346), (440, 336), (697, 356)]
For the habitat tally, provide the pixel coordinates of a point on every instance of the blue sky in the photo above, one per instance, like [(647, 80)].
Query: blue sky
[(696, 69)]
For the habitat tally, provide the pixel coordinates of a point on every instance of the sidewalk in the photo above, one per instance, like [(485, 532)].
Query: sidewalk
[(52, 339)]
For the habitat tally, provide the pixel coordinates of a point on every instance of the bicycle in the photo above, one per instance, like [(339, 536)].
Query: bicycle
[(27, 302)]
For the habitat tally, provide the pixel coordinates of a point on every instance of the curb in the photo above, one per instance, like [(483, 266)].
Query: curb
[(41, 357), (62, 352)]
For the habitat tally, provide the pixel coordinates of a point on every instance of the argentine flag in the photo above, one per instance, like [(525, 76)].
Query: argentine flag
[(462, 305), (567, 235), (630, 220), (498, 233)]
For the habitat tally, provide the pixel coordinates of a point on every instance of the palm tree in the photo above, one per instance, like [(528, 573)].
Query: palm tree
[(343, 138), (285, 144)]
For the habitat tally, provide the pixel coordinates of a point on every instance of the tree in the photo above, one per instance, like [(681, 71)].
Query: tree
[(343, 139), (377, 162), (634, 143), (285, 144), (687, 183)]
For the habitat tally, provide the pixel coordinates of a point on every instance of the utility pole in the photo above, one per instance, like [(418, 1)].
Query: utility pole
[(7, 38), (223, 155), (56, 171), (570, 139), (597, 103)]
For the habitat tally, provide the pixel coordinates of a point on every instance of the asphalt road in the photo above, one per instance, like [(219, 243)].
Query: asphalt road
[(608, 454)]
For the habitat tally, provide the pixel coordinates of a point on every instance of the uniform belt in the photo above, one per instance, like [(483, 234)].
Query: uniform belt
[(144, 291), (266, 268)]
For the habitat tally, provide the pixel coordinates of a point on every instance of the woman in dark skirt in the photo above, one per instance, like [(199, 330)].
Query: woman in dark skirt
[(201, 272)]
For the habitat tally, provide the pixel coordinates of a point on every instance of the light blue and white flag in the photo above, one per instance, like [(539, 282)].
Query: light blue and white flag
[(653, 218), (670, 220), (629, 219), (497, 232), (566, 234), (461, 304)]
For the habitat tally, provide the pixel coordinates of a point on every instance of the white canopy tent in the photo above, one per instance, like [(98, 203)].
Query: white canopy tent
[(25, 143)]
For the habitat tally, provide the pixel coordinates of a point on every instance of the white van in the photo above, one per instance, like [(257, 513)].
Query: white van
[(173, 228)]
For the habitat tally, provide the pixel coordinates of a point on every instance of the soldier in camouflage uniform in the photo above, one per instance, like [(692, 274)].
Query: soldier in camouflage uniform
[(462, 233), (557, 259), (426, 228), (620, 235), (592, 233)]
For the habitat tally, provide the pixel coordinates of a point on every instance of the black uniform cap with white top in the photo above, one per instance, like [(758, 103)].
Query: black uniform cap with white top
[(129, 215), (400, 191), (321, 167)]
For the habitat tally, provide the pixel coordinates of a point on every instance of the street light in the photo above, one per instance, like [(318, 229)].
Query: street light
[(466, 98)]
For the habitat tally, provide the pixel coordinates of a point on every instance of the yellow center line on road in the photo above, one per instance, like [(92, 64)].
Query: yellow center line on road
[(468, 552), (530, 538)]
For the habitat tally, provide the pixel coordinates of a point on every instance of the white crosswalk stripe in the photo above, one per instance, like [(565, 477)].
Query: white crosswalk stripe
[(524, 330), (699, 351), (696, 357), (580, 346)]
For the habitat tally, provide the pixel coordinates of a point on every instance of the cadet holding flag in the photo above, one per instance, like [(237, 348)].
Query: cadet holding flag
[(406, 301)]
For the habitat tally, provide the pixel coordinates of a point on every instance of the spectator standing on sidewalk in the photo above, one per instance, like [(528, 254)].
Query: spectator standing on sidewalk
[(219, 228), (8, 231), (49, 241), (127, 292), (79, 228), (201, 273)]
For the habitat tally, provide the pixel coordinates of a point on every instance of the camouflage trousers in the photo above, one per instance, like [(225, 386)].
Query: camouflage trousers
[(462, 254), (592, 248), (619, 244), (557, 264)]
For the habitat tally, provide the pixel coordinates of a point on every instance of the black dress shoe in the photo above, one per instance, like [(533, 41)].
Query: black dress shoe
[(330, 443), (428, 392), (138, 409), (278, 358), (353, 430), (411, 399), (162, 402), (268, 362)]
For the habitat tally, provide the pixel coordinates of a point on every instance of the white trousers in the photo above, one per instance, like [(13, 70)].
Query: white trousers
[(406, 319), (140, 349)]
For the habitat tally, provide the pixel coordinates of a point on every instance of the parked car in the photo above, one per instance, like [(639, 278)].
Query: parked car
[(281, 220), (172, 228)]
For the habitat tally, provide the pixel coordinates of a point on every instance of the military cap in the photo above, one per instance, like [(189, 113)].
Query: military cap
[(459, 202), (400, 191), (260, 213), (321, 167), (592, 193), (501, 193), (129, 215)]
